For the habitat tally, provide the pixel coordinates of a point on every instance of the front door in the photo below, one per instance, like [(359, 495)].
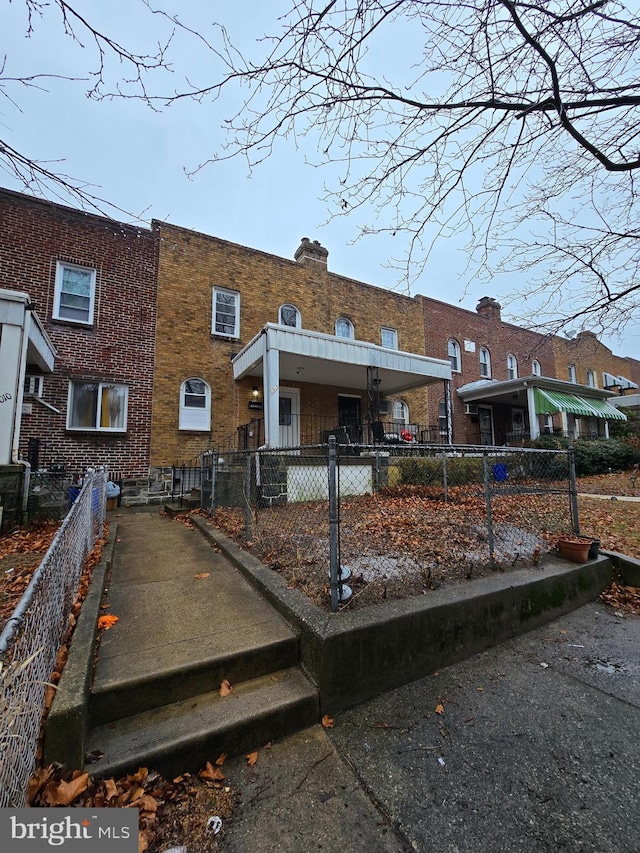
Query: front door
[(289, 417), (350, 416), (485, 416)]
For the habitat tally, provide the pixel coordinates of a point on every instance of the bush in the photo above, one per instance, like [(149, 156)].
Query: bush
[(597, 456), (428, 472)]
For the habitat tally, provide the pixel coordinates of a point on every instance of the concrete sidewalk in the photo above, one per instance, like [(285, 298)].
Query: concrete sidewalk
[(535, 750)]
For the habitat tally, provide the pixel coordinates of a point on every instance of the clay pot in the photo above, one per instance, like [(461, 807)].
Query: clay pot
[(574, 548)]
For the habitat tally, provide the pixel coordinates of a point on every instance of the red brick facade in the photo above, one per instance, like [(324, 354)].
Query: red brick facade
[(470, 332), (117, 347)]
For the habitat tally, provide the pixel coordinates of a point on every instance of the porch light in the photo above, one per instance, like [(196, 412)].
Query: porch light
[(254, 392)]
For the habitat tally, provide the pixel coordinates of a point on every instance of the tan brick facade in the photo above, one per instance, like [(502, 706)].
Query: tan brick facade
[(190, 266), (587, 355)]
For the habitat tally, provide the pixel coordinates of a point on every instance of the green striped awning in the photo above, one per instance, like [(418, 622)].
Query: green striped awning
[(549, 402)]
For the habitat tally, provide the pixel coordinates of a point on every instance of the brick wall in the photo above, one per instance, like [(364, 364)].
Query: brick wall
[(586, 352), (472, 331), (190, 265), (118, 347)]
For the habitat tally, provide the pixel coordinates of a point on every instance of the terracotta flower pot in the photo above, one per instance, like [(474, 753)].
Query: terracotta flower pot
[(574, 548)]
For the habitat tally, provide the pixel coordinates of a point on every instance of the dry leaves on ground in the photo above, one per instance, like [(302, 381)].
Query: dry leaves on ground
[(622, 598), (172, 812)]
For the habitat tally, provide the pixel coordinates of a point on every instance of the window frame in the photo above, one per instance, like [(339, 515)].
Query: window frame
[(571, 371), (102, 384), (591, 378), (236, 326), (486, 363), (57, 314), (512, 366), (536, 367), (349, 324), (393, 332), (297, 324), (195, 425), (452, 343), (33, 385)]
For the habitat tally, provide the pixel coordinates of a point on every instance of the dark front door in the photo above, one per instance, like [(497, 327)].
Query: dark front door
[(485, 415), (350, 416)]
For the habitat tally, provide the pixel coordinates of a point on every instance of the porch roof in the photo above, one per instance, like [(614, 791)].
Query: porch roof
[(16, 309), (320, 359), (550, 395)]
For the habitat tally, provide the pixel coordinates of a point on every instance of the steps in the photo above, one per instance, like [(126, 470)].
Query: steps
[(187, 620)]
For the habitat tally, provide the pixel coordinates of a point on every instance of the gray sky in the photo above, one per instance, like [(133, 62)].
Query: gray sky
[(136, 158)]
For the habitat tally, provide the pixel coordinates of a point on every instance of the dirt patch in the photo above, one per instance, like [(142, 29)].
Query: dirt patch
[(621, 483)]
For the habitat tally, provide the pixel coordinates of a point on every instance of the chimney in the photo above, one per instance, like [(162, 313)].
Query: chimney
[(489, 308), (311, 251)]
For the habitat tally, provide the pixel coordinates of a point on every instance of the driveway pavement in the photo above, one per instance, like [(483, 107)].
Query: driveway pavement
[(532, 746)]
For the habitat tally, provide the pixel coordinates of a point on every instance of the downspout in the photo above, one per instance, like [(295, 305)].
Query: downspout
[(17, 420)]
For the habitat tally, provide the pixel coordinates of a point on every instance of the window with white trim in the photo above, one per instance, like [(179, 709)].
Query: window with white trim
[(485, 363), (344, 328), (443, 424), (400, 413), (195, 405), (535, 367), (74, 293), (512, 367), (453, 350), (288, 315), (33, 385), (591, 379), (98, 406), (571, 370), (389, 337), (226, 313)]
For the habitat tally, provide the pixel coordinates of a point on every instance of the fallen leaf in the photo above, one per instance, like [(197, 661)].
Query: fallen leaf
[(202, 575), (252, 758), (111, 789), (211, 773), (107, 621), (225, 688), (327, 722), (220, 760), (440, 708), (64, 793)]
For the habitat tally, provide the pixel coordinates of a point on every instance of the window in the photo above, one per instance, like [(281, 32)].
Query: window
[(389, 338), (535, 367), (74, 293), (485, 363), (512, 367), (289, 316), (97, 406), (226, 313), (195, 405), (33, 385), (344, 328), (400, 413), (453, 349), (442, 418), (571, 369), (591, 379)]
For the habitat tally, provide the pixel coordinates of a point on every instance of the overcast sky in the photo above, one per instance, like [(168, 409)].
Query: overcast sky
[(136, 158)]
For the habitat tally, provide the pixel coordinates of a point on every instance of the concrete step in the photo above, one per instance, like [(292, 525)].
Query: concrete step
[(120, 690), (183, 736)]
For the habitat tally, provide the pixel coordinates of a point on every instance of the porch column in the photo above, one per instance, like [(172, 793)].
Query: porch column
[(534, 426), (606, 429), (10, 357), (449, 410), (565, 423), (271, 394)]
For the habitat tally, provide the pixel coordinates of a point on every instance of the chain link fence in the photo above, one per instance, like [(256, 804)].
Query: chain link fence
[(401, 521), (31, 639)]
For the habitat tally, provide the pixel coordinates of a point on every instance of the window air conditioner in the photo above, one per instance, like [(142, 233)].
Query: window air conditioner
[(384, 407), (471, 408)]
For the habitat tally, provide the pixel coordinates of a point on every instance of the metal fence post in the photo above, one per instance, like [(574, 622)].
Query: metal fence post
[(445, 482), (333, 528), (573, 492), (487, 496), (248, 532)]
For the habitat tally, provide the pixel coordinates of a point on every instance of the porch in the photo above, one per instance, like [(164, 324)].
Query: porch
[(363, 377), (513, 411)]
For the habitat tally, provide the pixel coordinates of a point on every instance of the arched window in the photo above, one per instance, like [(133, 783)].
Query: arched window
[(195, 405), (344, 328), (535, 367), (400, 413), (512, 367), (591, 379), (289, 316), (453, 349), (485, 363)]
